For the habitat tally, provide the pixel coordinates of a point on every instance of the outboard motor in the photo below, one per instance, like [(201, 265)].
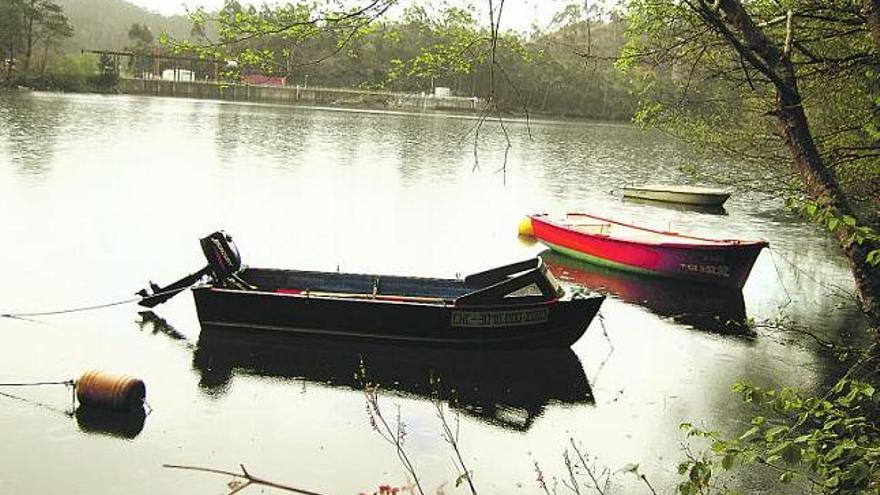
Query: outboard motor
[(224, 261), (222, 255)]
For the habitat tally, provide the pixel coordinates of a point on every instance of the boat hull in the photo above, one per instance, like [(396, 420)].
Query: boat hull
[(695, 197), (558, 323), (726, 265)]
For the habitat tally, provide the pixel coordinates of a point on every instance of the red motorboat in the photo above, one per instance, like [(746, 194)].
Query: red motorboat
[(725, 262)]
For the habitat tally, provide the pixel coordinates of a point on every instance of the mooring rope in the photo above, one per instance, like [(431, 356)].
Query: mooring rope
[(90, 308), (35, 384)]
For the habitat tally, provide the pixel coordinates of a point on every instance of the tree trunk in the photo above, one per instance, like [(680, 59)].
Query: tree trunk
[(794, 128), (29, 34), (822, 186), (45, 59), (11, 67), (871, 11)]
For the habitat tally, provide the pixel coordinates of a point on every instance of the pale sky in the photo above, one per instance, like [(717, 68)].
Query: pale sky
[(518, 14)]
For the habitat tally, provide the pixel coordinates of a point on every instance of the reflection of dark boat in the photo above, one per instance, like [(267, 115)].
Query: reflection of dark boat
[(706, 307), (513, 306), (155, 324), (506, 388)]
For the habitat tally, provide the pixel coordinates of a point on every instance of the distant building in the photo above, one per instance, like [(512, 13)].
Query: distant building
[(442, 92), (178, 75), (261, 80)]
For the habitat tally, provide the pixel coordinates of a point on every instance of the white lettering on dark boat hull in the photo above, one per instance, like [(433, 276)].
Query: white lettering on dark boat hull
[(492, 319)]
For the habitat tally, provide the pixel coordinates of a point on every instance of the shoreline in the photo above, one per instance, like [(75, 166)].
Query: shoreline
[(326, 99)]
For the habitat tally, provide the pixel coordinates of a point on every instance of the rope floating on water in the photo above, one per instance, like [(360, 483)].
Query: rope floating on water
[(36, 384), (88, 308), (70, 310)]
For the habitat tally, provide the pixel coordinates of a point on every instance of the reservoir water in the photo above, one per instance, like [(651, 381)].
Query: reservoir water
[(99, 194)]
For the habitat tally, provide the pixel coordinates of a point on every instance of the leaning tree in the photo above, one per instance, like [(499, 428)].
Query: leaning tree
[(791, 85)]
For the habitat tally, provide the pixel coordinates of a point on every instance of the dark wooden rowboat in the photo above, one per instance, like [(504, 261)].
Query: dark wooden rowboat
[(623, 246), (514, 306)]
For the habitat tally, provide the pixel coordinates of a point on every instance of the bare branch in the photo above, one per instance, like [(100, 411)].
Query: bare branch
[(245, 475)]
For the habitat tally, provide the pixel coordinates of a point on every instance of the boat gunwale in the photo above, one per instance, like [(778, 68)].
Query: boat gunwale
[(695, 190), (459, 281), (306, 295), (441, 303), (715, 244)]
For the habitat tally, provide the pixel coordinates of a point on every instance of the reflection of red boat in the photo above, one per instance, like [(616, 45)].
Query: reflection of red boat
[(619, 245), (709, 308)]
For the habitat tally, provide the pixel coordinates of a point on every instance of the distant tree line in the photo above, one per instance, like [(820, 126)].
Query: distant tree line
[(29, 31), (566, 69)]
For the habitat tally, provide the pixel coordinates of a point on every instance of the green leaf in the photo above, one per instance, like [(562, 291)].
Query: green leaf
[(803, 438), (859, 472), (749, 433), (832, 223), (774, 432), (832, 482), (728, 461), (683, 468), (810, 209), (835, 453)]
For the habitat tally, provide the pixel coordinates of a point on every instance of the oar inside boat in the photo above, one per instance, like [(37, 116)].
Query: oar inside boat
[(224, 261)]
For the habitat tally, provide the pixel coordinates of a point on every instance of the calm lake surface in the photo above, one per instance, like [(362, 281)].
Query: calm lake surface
[(99, 194)]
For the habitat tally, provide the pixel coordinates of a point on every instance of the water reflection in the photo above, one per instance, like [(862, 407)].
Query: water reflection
[(128, 424), (30, 128), (504, 388), (708, 308), (155, 324)]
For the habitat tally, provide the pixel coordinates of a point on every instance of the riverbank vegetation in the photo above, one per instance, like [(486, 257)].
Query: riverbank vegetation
[(791, 88)]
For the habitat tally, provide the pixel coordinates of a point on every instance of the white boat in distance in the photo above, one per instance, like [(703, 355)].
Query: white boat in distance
[(678, 194)]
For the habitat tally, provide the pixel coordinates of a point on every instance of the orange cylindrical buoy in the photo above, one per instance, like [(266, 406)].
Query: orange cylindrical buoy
[(106, 391)]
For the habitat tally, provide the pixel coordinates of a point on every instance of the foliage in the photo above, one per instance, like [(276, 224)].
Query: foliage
[(566, 70), (831, 443), (825, 215), (108, 74), (693, 83), (73, 73), (27, 26), (142, 42)]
